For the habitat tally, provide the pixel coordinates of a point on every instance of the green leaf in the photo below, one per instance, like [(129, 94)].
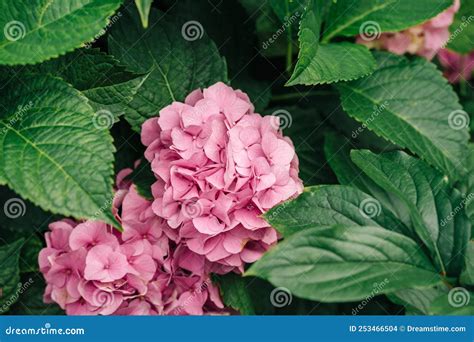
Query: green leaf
[(30, 301), (143, 7), (30, 249), (178, 62), (107, 84), (259, 92), (337, 149), (351, 17), (416, 300), (235, 293), (51, 151), (41, 29), (9, 274), (334, 63), (467, 275), (434, 207), (461, 39), (346, 263), (327, 205), (458, 302), (412, 105)]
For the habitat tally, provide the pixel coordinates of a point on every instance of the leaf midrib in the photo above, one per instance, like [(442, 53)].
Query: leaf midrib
[(53, 161)]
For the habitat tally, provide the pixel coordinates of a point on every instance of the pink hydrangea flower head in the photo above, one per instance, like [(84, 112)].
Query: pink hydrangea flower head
[(424, 40), (91, 269), (219, 166), (456, 66)]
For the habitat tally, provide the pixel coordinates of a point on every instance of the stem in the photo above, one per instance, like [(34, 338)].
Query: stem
[(289, 44)]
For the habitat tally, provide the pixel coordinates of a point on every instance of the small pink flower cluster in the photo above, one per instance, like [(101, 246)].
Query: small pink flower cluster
[(90, 268), (456, 67), (219, 166), (424, 40)]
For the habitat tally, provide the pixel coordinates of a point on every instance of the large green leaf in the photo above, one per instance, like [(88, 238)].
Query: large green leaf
[(51, 150), (333, 63), (179, 56), (9, 274), (459, 302), (467, 275), (327, 205), (337, 149), (41, 29), (462, 31), (235, 293), (435, 208), (418, 301), (412, 105), (351, 17), (107, 84), (345, 263)]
